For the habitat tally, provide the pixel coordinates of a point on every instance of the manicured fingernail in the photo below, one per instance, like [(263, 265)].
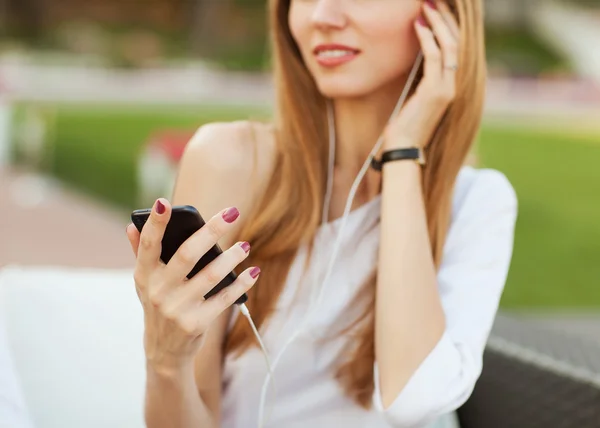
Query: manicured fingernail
[(231, 214), (245, 246), (431, 3), (160, 208), (422, 22), (255, 272)]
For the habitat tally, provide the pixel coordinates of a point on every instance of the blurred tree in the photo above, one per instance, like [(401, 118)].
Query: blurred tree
[(25, 17), (230, 32), (3, 16), (207, 19)]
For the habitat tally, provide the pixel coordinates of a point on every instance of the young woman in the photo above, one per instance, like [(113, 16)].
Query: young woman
[(394, 330)]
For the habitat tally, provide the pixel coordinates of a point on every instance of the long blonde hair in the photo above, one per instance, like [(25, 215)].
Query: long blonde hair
[(289, 214)]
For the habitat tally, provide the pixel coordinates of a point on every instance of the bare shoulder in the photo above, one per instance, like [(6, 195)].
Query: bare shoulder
[(226, 164), (233, 146)]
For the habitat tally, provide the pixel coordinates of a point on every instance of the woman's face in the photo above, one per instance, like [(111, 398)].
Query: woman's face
[(355, 47)]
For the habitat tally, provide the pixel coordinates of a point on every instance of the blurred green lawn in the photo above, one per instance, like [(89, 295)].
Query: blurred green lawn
[(557, 249), (556, 259), (107, 141)]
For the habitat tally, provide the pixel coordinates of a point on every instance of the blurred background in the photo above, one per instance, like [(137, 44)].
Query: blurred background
[(97, 100)]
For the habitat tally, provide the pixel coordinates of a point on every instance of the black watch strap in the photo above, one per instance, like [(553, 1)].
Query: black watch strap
[(411, 153)]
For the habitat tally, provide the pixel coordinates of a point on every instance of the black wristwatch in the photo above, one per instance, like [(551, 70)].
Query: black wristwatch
[(412, 153)]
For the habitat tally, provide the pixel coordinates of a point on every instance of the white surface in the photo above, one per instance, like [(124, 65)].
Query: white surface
[(471, 280), (76, 340), (13, 411)]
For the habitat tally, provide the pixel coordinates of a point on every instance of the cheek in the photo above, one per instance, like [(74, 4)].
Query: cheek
[(298, 21), (394, 42)]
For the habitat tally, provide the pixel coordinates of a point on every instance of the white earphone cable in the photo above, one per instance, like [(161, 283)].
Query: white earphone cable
[(316, 302), (348, 207), (245, 312), (358, 180)]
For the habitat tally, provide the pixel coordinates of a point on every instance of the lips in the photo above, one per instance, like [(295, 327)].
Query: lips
[(334, 54)]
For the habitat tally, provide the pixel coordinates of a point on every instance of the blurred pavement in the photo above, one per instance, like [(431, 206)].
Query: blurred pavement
[(194, 84), (571, 98), (582, 323), (44, 223)]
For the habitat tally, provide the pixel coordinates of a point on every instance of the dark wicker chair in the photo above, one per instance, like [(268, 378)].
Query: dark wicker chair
[(535, 378)]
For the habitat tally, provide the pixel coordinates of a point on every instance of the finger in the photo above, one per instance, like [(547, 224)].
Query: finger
[(134, 238), (443, 34), (194, 291), (450, 18), (449, 47), (196, 246), (196, 321), (218, 303), (152, 233), (219, 268), (210, 276), (431, 51)]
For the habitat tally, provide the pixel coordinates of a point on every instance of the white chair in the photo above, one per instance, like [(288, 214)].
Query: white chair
[(76, 339)]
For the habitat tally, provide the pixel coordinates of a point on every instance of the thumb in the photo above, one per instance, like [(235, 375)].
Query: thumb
[(134, 237)]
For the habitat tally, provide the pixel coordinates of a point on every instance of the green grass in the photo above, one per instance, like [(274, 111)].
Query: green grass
[(557, 244), (95, 148), (557, 248)]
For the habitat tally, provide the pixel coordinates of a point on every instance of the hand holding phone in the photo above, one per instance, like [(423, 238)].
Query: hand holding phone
[(183, 279)]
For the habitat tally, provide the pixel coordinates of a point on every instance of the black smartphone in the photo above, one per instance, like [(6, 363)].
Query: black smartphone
[(184, 222)]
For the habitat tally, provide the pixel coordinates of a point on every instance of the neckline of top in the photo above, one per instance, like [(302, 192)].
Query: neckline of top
[(353, 213)]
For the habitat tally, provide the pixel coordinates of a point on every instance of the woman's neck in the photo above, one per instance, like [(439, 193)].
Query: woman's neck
[(359, 123)]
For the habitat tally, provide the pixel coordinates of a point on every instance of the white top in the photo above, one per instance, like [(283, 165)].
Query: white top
[(471, 278)]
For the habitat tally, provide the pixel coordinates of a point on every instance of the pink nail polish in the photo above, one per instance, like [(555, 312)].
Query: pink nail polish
[(245, 246), (422, 22), (231, 215), (160, 208), (255, 272), (431, 3)]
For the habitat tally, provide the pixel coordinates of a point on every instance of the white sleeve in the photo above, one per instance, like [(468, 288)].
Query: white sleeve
[(470, 280), (13, 411)]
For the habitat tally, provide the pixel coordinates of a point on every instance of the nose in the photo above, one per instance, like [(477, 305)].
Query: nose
[(329, 14)]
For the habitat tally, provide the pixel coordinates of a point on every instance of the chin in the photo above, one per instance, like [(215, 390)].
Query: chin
[(341, 87)]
